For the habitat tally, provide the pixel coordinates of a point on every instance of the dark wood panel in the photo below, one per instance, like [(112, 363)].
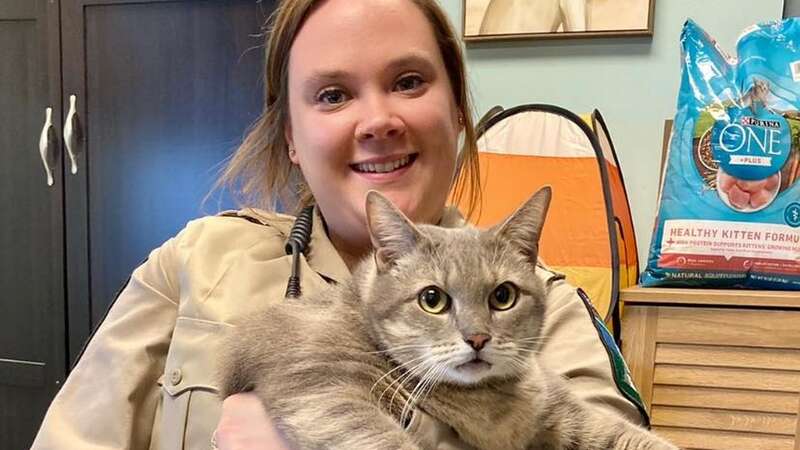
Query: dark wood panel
[(18, 10), (22, 373), (32, 345), (168, 92)]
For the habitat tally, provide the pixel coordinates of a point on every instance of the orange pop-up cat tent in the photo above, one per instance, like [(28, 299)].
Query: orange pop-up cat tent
[(589, 233)]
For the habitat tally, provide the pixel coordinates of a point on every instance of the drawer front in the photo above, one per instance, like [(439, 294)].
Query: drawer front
[(720, 378)]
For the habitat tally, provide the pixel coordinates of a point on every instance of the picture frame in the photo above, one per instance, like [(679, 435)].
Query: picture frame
[(491, 20)]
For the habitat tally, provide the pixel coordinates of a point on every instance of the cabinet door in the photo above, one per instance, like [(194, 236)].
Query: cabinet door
[(32, 342), (164, 91)]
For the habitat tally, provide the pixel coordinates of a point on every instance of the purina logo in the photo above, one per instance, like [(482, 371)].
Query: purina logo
[(752, 121), (764, 140), (751, 146)]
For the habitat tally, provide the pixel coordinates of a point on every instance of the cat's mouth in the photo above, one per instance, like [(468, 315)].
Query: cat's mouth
[(475, 365)]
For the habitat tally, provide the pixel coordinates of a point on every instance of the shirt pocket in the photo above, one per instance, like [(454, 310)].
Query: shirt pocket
[(191, 406)]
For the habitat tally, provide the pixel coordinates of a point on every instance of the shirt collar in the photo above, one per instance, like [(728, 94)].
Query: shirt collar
[(322, 255), (325, 260)]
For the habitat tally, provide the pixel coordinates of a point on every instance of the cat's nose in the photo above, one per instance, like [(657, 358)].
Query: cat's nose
[(477, 341)]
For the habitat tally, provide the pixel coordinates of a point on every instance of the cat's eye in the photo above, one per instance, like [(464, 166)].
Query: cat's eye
[(504, 296), (433, 300)]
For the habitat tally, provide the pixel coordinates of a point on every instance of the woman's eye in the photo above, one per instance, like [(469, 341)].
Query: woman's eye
[(504, 296), (409, 83), (332, 97), (433, 300)]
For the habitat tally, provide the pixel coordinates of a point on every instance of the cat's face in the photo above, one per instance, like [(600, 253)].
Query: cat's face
[(456, 305)]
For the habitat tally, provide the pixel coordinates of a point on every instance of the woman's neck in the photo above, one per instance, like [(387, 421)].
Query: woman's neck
[(354, 248), (351, 254), (350, 250)]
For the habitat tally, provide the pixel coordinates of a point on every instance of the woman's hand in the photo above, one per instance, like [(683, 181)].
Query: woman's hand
[(244, 425)]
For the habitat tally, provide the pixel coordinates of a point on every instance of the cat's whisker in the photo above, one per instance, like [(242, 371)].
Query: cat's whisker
[(400, 367), (527, 351), (400, 379), (414, 401), (442, 368), (536, 339), (410, 401), (403, 378), (434, 363), (410, 396), (399, 347), (518, 365), (523, 365), (427, 383)]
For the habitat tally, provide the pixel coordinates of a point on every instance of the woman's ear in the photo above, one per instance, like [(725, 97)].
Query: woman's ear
[(290, 148)]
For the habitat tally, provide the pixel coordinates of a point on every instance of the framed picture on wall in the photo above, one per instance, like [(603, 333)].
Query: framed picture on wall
[(554, 19), (791, 8)]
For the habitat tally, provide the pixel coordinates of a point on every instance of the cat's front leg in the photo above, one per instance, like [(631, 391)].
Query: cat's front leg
[(501, 416), (635, 438), (574, 424), (608, 431), (609, 434), (338, 419)]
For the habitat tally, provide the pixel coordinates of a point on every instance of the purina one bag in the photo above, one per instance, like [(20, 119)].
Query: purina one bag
[(729, 207)]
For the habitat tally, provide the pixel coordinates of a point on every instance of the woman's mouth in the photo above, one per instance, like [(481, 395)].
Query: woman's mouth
[(386, 167)]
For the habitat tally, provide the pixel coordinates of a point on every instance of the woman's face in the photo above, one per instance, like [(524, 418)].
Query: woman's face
[(371, 107)]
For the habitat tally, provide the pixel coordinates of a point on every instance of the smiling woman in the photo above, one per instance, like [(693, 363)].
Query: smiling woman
[(352, 106)]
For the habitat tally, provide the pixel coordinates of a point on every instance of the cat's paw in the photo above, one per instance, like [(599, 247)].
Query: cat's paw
[(658, 443), (643, 440)]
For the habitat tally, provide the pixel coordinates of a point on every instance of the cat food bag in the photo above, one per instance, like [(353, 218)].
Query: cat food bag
[(729, 205)]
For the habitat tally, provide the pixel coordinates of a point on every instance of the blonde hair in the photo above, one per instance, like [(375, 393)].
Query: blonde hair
[(260, 174)]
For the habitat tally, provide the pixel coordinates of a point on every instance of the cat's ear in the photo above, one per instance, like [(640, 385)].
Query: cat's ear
[(524, 227), (392, 234)]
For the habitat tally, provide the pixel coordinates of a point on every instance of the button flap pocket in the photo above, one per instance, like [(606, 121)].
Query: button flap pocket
[(191, 361)]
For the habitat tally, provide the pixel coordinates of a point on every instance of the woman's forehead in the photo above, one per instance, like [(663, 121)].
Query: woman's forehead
[(356, 32)]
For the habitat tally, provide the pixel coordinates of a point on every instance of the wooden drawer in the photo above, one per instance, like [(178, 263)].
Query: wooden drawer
[(717, 378)]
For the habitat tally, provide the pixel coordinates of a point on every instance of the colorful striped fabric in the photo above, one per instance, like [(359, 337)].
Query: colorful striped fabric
[(589, 233)]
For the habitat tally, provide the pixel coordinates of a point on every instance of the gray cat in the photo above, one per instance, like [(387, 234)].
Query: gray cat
[(446, 320)]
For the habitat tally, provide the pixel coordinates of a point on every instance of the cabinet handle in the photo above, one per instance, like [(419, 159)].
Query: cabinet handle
[(72, 133), (45, 138)]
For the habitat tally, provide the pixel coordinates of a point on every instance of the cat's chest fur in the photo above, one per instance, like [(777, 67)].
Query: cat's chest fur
[(494, 415)]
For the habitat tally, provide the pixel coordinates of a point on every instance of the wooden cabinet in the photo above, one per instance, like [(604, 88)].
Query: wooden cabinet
[(718, 369), (163, 92), (32, 285)]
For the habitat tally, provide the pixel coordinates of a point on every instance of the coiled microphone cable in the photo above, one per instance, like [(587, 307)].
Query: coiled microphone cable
[(296, 244)]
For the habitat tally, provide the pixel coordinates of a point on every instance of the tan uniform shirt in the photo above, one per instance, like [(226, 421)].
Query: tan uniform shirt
[(146, 379)]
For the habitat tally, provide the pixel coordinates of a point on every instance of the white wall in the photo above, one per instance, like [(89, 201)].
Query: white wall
[(632, 81)]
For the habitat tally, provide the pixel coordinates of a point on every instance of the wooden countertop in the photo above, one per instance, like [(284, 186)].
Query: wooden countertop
[(711, 297)]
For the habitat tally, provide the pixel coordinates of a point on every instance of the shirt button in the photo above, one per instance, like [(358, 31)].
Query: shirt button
[(175, 376)]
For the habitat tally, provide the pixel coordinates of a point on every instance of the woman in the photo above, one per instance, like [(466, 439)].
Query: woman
[(361, 94)]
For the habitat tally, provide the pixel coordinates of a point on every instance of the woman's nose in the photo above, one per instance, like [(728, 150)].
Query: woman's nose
[(379, 122)]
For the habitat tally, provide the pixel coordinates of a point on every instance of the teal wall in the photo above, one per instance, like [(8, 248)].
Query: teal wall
[(632, 81)]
